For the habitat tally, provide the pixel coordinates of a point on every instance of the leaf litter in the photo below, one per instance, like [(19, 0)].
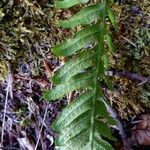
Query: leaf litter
[(28, 34)]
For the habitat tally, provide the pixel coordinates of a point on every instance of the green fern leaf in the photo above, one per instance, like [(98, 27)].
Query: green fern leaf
[(109, 42), (103, 129), (68, 3), (75, 65), (100, 144), (77, 104), (80, 81), (79, 41), (111, 1), (85, 16), (106, 61), (112, 17)]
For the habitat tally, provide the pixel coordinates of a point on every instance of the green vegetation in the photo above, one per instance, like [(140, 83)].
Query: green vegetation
[(92, 58), (80, 124)]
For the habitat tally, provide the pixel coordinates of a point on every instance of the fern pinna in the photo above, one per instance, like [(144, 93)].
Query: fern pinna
[(84, 123)]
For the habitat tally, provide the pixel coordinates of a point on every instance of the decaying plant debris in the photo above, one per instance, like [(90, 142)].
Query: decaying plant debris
[(28, 31)]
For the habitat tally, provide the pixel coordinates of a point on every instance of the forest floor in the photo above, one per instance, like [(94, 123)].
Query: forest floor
[(28, 31)]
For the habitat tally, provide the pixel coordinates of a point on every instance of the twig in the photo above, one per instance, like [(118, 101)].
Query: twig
[(128, 41), (8, 91), (48, 69), (40, 81), (129, 75), (37, 143), (119, 124)]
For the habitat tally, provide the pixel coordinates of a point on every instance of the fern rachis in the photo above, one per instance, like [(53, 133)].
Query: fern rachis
[(80, 124)]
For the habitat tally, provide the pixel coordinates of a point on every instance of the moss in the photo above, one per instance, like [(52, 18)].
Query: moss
[(3, 70)]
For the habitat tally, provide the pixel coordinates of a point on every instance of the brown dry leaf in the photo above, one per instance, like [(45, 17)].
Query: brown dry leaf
[(43, 83), (48, 68), (141, 131)]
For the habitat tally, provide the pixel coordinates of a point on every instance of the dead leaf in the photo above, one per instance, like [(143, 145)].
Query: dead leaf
[(48, 68), (43, 83), (141, 131)]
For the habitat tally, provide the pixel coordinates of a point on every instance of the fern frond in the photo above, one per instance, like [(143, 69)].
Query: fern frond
[(68, 3), (84, 123)]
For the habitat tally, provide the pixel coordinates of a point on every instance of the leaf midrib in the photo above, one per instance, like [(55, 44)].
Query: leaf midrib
[(101, 40)]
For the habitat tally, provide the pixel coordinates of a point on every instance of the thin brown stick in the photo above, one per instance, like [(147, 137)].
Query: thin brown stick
[(41, 81), (128, 41), (119, 125), (129, 75)]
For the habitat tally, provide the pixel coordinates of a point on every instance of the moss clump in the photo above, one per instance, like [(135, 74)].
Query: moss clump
[(3, 70)]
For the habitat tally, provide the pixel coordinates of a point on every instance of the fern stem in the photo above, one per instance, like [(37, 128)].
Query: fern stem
[(98, 72)]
